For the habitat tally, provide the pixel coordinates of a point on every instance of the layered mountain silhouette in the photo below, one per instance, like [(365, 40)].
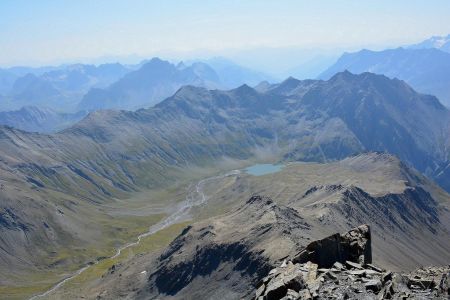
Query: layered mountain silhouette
[(9, 75), (58, 88), (50, 181), (73, 89), (425, 69), (158, 79), (303, 120), (232, 75)]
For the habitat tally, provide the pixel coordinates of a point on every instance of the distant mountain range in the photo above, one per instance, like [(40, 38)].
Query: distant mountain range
[(158, 79), (437, 42), (232, 75), (58, 88), (154, 81), (34, 119), (9, 75), (425, 69), (309, 120), (312, 68), (81, 87)]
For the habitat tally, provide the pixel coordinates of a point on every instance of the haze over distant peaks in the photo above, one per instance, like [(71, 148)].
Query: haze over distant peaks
[(80, 87), (158, 79), (426, 70), (58, 88), (438, 42)]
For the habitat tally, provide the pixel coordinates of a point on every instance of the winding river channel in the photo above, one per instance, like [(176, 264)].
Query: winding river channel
[(195, 197)]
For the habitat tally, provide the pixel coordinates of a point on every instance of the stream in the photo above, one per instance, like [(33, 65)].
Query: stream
[(195, 197)]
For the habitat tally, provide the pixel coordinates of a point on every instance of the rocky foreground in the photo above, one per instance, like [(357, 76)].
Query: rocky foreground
[(340, 267)]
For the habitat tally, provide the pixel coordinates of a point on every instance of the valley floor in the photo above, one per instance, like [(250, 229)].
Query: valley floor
[(145, 222), (408, 214)]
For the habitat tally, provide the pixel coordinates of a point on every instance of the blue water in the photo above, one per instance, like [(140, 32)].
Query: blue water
[(263, 169)]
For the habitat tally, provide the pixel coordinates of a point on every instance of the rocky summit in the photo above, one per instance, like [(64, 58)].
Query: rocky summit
[(340, 267)]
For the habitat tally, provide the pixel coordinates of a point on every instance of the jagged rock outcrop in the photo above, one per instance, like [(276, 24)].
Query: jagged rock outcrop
[(355, 278), (350, 246)]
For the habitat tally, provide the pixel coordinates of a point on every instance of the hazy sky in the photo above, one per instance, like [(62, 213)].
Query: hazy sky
[(50, 31)]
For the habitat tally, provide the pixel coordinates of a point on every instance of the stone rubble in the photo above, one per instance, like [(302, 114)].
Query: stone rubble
[(357, 279)]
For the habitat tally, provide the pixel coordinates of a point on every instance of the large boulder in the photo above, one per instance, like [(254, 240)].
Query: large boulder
[(354, 246)]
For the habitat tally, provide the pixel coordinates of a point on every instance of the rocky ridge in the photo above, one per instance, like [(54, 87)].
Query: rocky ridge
[(340, 267)]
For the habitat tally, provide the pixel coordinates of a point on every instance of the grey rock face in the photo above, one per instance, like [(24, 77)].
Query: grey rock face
[(357, 279), (353, 246)]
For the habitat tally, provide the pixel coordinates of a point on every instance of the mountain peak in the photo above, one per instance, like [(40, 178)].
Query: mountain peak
[(156, 60), (344, 75), (157, 63), (290, 79), (244, 90), (290, 82), (181, 65), (188, 91)]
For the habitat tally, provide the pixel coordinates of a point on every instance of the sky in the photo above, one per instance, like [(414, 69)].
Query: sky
[(56, 31)]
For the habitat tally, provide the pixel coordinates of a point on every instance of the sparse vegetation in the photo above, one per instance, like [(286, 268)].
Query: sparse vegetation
[(148, 245)]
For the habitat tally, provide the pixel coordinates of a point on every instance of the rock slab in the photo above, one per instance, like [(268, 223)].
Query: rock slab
[(351, 276)]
